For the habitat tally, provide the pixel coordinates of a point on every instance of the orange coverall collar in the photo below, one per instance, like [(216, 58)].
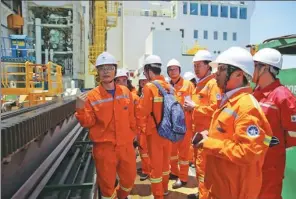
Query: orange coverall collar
[(103, 91), (204, 81), (234, 95), (238, 92), (159, 77)]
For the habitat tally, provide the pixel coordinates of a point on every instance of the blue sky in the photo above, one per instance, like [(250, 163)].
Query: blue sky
[(273, 19)]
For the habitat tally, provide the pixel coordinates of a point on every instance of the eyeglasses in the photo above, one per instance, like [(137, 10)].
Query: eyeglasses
[(106, 68), (172, 69), (223, 67)]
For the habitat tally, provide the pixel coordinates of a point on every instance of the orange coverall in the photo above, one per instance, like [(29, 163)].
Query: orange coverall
[(159, 148), (145, 160), (207, 96), (279, 106), (112, 127), (239, 137), (180, 150)]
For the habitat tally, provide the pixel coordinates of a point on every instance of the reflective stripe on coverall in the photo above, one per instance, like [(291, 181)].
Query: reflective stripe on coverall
[(180, 150), (239, 138), (159, 148), (143, 150), (207, 96), (112, 127), (279, 106)]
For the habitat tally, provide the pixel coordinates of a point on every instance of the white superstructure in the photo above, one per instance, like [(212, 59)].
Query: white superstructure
[(170, 28)]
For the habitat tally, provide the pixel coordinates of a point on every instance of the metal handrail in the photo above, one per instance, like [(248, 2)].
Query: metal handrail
[(31, 80)]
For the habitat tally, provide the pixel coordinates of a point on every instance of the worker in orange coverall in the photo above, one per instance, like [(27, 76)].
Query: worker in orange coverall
[(180, 150), (122, 79), (279, 106), (159, 148), (191, 77), (143, 149), (205, 101), (108, 112), (239, 134)]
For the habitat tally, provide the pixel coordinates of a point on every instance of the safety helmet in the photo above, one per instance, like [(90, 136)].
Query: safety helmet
[(125, 71), (105, 58), (173, 62), (121, 73), (167, 79), (188, 76), (238, 57), (269, 56), (142, 77), (153, 59), (202, 55)]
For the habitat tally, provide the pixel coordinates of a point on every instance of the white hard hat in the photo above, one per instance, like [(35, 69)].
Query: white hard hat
[(269, 56), (153, 59), (126, 71), (238, 57), (202, 55), (189, 76), (121, 73), (173, 62), (142, 77), (167, 79), (105, 58)]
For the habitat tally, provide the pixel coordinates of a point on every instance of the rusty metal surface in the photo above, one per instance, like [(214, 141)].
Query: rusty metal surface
[(20, 130)]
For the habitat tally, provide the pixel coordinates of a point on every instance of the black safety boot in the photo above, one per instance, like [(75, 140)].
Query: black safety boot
[(173, 177), (193, 196), (178, 184), (143, 176)]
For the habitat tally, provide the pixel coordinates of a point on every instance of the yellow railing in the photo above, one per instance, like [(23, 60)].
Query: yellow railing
[(55, 79), (31, 80), (105, 15), (17, 73), (100, 25)]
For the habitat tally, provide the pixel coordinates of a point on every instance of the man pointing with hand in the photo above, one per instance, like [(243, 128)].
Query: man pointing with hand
[(108, 111)]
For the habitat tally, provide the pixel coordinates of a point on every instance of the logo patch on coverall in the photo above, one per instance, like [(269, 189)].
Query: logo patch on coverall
[(218, 96), (253, 131), (293, 118)]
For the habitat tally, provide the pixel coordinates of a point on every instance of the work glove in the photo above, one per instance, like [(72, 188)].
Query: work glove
[(274, 141)]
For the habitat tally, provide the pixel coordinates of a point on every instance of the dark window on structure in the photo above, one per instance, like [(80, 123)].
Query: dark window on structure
[(243, 13), (204, 9), (224, 11), (185, 8), (193, 8), (195, 34), (214, 10), (182, 32)]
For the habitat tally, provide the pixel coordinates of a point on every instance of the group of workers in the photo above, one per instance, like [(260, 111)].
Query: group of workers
[(236, 136)]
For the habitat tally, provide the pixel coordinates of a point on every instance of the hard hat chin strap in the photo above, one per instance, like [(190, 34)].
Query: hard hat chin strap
[(260, 73)]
